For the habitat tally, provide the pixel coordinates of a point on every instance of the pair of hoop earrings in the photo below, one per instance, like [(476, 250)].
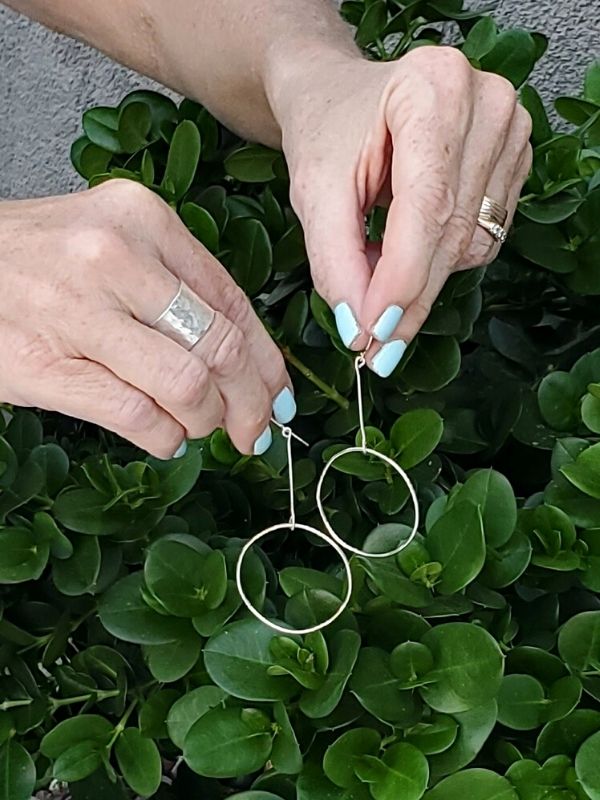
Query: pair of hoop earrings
[(332, 538)]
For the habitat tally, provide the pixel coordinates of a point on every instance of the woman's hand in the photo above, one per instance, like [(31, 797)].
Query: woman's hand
[(83, 277), (427, 135)]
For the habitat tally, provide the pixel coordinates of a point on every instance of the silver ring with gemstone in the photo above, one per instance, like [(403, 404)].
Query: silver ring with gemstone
[(186, 319)]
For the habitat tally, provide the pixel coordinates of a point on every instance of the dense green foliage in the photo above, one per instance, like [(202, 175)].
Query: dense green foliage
[(468, 666)]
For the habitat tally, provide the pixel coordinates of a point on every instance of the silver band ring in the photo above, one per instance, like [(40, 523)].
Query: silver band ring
[(492, 217), (186, 319)]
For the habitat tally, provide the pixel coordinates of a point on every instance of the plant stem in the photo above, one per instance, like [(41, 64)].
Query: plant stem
[(5, 705), (120, 727), (327, 390), (83, 698)]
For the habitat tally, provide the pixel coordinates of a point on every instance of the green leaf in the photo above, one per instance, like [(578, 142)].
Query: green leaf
[(434, 362), (480, 39), (590, 412), (252, 258), (178, 475), (78, 761), (504, 565), (340, 757), (228, 742), (474, 727), (101, 125), (566, 735), (591, 88), (513, 56), (545, 246), (584, 473), (343, 652), (202, 225), (558, 398), (402, 772), (139, 761), (372, 23), (286, 755), (188, 710), (415, 435), (435, 735), (378, 689), (69, 732), (237, 659), (17, 772), (476, 784), (456, 541), (521, 702), (135, 121), (185, 581), (168, 664), (492, 492), (24, 558), (125, 615), (410, 661), (183, 158), (252, 163), (541, 130), (468, 666), (78, 574), (579, 642), (587, 766)]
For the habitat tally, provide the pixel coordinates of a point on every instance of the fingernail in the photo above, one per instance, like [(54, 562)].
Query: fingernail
[(347, 326), (387, 322), (181, 450), (284, 406), (385, 361), (262, 444)]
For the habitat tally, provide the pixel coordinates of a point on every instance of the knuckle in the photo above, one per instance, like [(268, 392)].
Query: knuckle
[(523, 123), (502, 94), (135, 412), (481, 251), (460, 232), (435, 204), (126, 192), (230, 352), (235, 304), (190, 384)]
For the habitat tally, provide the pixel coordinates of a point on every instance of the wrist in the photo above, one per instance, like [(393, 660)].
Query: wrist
[(292, 72)]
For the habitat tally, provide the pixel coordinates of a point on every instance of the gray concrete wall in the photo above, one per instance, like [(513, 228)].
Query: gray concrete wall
[(47, 81)]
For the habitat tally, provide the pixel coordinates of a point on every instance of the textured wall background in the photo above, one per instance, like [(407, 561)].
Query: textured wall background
[(47, 81)]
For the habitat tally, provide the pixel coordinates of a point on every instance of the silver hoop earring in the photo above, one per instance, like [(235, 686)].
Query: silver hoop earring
[(359, 363), (292, 525)]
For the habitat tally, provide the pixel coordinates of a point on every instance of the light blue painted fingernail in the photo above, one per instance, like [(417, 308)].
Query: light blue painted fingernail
[(385, 361), (387, 322), (262, 444), (284, 406), (347, 326), (181, 450)]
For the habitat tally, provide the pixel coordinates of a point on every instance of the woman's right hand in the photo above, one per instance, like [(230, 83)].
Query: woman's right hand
[(83, 277)]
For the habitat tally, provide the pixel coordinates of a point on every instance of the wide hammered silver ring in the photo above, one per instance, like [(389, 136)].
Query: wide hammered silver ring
[(492, 217), (186, 319)]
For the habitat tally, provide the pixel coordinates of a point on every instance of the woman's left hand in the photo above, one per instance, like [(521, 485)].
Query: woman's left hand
[(427, 135)]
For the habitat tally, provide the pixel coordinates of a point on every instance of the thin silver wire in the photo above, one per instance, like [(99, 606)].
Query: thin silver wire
[(292, 525)]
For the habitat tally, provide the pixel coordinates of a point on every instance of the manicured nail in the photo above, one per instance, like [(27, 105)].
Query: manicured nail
[(284, 406), (262, 444), (347, 326), (181, 450), (387, 322), (385, 361)]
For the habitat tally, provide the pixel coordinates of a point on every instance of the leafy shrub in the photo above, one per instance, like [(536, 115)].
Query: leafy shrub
[(467, 666)]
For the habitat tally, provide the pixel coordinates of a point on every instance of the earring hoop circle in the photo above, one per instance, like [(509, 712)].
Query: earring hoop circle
[(307, 529), (398, 469)]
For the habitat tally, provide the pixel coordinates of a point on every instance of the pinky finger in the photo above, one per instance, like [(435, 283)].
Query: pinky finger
[(88, 391)]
